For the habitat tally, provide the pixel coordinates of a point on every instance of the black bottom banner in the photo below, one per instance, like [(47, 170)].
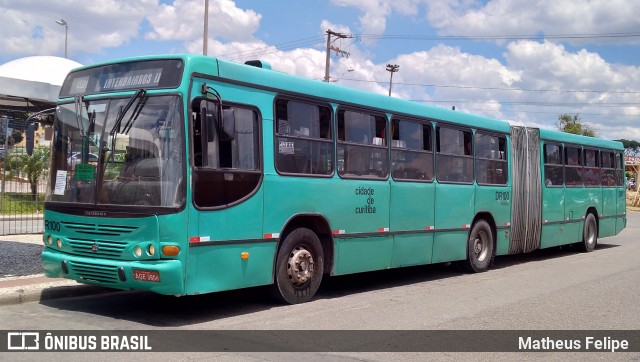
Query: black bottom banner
[(322, 341)]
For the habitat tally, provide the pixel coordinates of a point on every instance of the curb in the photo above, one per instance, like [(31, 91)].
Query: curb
[(21, 296)]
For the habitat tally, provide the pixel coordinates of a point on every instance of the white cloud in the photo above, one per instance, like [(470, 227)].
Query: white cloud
[(226, 21), (525, 17), (93, 26), (373, 20)]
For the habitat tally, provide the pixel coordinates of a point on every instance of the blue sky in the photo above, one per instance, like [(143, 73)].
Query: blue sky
[(447, 49)]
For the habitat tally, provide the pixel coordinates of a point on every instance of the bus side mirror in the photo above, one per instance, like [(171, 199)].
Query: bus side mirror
[(29, 135)]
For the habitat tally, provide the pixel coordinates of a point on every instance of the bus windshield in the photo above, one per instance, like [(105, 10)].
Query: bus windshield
[(124, 151)]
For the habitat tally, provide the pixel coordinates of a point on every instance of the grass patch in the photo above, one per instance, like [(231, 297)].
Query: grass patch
[(21, 203)]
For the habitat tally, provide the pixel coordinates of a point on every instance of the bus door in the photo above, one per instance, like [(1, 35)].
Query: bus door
[(492, 194), (412, 211), (227, 199), (576, 196), (359, 218), (610, 208), (455, 193), (553, 196)]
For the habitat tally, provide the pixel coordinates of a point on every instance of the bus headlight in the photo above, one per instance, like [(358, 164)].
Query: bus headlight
[(59, 243), (137, 251), (50, 240), (151, 250)]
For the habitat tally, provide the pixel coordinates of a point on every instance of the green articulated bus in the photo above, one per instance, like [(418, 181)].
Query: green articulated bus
[(186, 174)]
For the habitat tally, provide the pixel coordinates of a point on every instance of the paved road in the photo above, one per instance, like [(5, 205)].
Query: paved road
[(549, 289)]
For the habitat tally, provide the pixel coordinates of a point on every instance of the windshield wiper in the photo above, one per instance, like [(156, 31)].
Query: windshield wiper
[(123, 111), (78, 103)]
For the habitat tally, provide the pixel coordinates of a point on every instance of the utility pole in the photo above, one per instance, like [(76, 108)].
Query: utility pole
[(205, 38), (336, 49), (392, 68)]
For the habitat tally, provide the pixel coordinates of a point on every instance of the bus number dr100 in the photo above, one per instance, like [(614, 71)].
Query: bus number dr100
[(502, 195), (51, 225)]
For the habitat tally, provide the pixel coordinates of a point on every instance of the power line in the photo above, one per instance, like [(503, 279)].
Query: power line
[(496, 88), (498, 37), (536, 103)]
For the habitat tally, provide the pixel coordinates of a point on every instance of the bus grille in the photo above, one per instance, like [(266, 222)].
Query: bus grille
[(95, 273), (101, 248), (99, 229), (98, 240)]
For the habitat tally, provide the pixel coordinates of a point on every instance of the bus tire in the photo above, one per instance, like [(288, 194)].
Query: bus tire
[(299, 267), (589, 233), (479, 248)]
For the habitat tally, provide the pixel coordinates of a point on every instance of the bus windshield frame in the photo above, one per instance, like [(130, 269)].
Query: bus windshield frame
[(117, 153)]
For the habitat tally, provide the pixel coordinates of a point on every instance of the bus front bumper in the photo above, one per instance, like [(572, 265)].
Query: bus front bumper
[(159, 276)]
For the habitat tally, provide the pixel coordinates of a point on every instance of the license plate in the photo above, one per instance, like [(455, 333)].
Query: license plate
[(146, 275)]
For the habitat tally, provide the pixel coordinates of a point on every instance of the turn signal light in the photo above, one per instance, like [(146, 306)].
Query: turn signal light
[(170, 250), (244, 255)]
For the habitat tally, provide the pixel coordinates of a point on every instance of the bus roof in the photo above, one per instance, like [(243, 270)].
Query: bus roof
[(563, 137)]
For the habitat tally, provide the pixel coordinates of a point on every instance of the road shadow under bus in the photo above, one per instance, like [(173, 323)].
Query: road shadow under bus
[(156, 310)]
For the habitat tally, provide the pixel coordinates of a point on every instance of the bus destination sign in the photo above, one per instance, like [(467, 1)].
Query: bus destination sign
[(162, 73), (146, 78)]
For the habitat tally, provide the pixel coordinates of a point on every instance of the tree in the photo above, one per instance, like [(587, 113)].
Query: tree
[(631, 148), (33, 167), (571, 123)]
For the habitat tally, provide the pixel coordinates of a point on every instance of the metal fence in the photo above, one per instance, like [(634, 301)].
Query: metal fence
[(21, 202)]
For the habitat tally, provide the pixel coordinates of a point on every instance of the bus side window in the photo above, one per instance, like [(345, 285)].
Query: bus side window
[(411, 150), (573, 166), (608, 169), (362, 145), (491, 161), (304, 143), (553, 175), (591, 168), (231, 158), (619, 169), (454, 158)]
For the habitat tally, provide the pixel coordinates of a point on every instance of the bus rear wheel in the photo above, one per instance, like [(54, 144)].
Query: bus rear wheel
[(479, 248), (589, 233), (299, 267)]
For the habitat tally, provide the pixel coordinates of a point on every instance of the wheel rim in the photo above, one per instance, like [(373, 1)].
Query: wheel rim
[(481, 246), (591, 233), (300, 266)]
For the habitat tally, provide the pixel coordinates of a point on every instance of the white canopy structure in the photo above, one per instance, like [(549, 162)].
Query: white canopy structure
[(32, 84)]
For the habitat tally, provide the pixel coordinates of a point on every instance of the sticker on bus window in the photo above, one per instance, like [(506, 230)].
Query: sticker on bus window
[(85, 172), (61, 182), (286, 148)]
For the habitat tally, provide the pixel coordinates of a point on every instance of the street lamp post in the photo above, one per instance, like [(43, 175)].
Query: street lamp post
[(66, 33), (392, 68)]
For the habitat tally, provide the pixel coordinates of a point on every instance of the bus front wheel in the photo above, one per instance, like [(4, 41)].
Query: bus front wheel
[(589, 233), (479, 248), (299, 267)]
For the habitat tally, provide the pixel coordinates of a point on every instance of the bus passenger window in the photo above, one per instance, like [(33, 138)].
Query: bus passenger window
[(304, 142), (454, 160), (608, 169), (573, 166), (491, 161), (362, 145), (553, 170), (591, 168), (411, 151)]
